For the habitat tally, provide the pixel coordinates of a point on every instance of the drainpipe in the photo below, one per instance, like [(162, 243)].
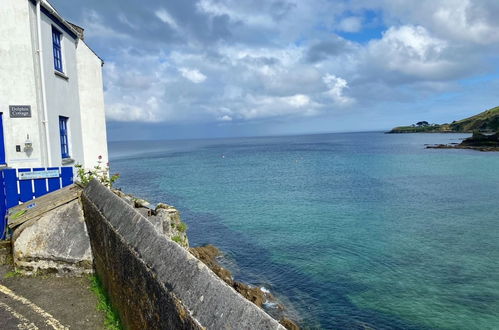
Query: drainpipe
[(48, 160)]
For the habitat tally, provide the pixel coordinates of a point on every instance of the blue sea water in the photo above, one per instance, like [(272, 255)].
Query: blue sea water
[(350, 231)]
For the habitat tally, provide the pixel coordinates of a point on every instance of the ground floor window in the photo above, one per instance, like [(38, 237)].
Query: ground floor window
[(63, 129)]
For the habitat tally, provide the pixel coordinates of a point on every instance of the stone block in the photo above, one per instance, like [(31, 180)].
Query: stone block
[(55, 243)]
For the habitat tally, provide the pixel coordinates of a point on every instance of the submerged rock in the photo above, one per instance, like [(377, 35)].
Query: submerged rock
[(288, 324)]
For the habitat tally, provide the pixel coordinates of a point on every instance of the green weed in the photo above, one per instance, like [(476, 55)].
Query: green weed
[(112, 321)]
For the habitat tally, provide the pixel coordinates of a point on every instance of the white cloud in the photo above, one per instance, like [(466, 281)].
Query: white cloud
[(165, 17), (336, 87), (350, 24), (225, 118), (127, 112), (411, 51), (276, 58), (461, 21), (193, 75), (297, 101)]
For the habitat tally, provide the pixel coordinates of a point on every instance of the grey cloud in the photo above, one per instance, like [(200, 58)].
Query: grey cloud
[(322, 50), (266, 60)]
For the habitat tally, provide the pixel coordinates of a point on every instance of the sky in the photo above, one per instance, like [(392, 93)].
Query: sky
[(222, 68)]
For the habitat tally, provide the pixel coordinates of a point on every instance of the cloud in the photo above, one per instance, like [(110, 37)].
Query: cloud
[(165, 17), (193, 75), (350, 24), (336, 87), (456, 20), (411, 50), (325, 49), (214, 61)]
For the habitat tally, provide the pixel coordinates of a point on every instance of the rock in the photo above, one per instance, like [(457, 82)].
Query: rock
[(166, 220), (253, 294), (163, 206), (5, 253), (482, 140), (289, 324), (141, 203), (57, 243), (207, 255)]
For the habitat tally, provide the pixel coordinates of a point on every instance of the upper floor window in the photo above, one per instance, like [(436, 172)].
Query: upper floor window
[(63, 130), (56, 43)]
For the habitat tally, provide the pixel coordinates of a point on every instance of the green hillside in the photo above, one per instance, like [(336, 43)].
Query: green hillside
[(487, 121)]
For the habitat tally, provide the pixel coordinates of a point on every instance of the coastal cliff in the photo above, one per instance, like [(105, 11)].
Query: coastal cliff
[(487, 121)]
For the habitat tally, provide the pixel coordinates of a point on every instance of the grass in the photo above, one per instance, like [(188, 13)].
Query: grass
[(177, 239), (112, 321), (182, 227), (12, 273)]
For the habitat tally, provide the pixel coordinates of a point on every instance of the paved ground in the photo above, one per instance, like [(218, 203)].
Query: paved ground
[(47, 303)]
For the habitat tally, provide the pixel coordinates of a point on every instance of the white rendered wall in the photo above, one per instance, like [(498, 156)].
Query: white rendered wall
[(93, 121), (62, 94), (70, 96), (18, 84)]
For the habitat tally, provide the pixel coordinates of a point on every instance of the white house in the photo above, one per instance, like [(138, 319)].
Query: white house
[(51, 92)]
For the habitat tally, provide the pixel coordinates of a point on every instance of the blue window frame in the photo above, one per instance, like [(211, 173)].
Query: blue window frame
[(56, 44), (63, 130)]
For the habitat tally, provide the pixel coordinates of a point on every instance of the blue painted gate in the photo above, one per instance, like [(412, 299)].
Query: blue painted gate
[(15, 190)]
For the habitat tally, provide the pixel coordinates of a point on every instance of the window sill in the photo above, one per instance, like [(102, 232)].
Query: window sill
[(67, 161), (60, 74)]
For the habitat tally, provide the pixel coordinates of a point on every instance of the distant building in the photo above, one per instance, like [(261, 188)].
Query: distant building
[(51, 92)]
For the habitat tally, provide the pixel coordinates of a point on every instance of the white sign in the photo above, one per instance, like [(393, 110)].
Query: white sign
[(39, 175)]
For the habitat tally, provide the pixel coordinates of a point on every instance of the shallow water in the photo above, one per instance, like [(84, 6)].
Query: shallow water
[(349, 230)]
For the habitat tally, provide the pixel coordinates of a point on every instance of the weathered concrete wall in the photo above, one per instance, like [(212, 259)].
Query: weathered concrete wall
[(152, 281)]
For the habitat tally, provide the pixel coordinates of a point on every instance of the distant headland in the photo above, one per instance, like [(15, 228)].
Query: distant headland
[(484, 126), (486, 122)]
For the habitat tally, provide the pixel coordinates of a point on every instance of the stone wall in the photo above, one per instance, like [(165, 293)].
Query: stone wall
[(152, 281)]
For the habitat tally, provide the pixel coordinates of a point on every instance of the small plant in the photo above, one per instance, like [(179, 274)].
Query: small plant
[(12, 273), (182, 227), (177, 239), (112, 321), (98, 172)]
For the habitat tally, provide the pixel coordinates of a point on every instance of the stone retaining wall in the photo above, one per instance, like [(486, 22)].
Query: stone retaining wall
[(152, 281)]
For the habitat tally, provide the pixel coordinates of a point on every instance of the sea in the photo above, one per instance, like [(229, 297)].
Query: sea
[(347, 230)]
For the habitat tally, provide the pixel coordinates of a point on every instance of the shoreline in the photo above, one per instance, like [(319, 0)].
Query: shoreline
[(450, 146)]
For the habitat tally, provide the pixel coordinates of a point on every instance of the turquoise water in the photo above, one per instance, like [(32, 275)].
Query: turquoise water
[(348, 230)]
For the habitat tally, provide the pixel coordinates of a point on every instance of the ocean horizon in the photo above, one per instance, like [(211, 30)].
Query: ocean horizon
[(348, 230)]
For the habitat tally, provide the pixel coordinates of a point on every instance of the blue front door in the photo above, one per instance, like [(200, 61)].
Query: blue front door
[(2, 145)]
